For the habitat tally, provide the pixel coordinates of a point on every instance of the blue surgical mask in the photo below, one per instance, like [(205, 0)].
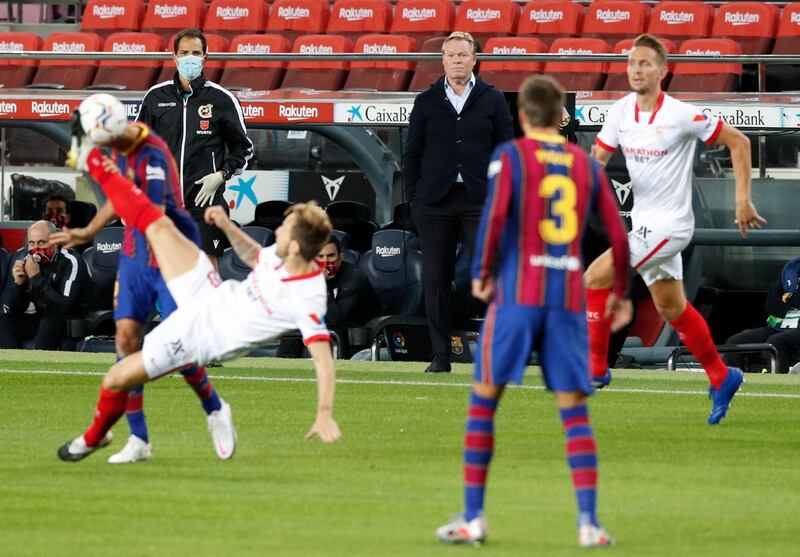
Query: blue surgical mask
[(190, 66)]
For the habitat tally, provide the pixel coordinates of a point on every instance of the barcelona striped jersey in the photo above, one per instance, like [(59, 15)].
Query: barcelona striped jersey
[(542, 191)]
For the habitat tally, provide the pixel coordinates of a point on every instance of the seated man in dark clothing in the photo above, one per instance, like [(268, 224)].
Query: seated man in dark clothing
[(56, 281), (56, 210), (781, 330), (351, 299)]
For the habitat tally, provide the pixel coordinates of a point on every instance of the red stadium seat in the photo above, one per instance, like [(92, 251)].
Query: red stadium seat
[(167, 17), (382, 75), (751, 24), (293, 18), (614, 20), (18, 73), (263, 76), (428, 72), (697, 77), (325, 76), (423, 19), (485, 19), (212, 69), (129, 74), (111, 16), (681, 20), (549, 20), (353, 18), (783, 77), (618, 71), (508, 76), (579, 76), (68, 74), (234, 17)]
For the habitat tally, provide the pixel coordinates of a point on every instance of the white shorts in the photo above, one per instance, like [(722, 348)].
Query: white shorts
[(656, 254), (173, 344)]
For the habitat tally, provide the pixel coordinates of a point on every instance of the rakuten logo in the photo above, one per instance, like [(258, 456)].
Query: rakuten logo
[(69, 47), (293, 13), (418, 14), (108, 247), (613, 16), (7, 108), (379, 49), (253, 111), (355, 14), (168, 12), (232, 13), (127, 47), (253, 49), (480, 15), (674, 18), (6, 46), (573, 51), (294, 112), (795, 18), (47, 109), (546, 16), (703, 52), (509, 50), (315, 49), (107, 12), (387, 251), (741, 18)]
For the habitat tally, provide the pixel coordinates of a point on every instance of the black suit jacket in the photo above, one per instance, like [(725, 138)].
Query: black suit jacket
[(441, 143)]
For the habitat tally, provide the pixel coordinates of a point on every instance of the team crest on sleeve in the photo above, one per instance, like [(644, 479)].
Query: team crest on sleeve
[(155, 173), (204, 111), (494, 168), (315, 318)]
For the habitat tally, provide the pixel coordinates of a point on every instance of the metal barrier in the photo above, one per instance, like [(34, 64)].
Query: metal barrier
[(770, 350)]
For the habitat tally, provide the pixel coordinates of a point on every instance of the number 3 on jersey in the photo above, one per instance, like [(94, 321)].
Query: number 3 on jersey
[(562, 227)]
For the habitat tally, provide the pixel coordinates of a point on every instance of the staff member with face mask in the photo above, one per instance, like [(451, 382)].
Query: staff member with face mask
[(203, 125), (56, 281)]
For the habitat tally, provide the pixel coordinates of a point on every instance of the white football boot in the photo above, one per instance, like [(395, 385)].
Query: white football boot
[(460, 531), (590, 535), (134, 450), (223, 432), (77, 449)]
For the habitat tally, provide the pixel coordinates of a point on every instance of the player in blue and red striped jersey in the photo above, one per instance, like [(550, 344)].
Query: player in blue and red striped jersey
[(528, 267), (145, 159)]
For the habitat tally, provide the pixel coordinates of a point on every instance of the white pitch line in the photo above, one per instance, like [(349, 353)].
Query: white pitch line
[(401, 383)]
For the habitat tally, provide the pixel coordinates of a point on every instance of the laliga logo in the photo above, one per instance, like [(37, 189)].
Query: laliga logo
[(47, 109), (7, 108), (480, 15), (108, 12), (168, 12), (108, 247), (293, 13), (418, 14), (673, 18), (355, 14), (387, 251), (229, 13)]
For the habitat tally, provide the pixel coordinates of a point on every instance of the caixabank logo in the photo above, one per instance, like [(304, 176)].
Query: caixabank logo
[(372, 113)]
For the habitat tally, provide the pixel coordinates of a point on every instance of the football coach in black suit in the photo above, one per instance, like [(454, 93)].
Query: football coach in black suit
[(453, 130)]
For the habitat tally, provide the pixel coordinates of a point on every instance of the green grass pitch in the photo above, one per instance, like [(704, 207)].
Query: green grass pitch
[(669, 484)]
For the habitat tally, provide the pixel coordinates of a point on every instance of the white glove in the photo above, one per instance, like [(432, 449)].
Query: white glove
[(210, 184), (78, 153)]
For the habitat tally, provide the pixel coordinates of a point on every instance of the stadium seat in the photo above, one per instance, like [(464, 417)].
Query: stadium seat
[(230, 266), (618, 71), (783, 77), (698, 77), (355, 219), (681, 20), (270, 214), (354, 18), (614, 20), (168, 17), (751, 24), (129, 74), (427, 72), (549, 20), (80, 213), (18, 73), (384, 75), (212, 69), (423, 19), (294, 18), (234, 17), (485, 19), (262, 76), (105, 17), (326, 76), (578, 76), (67, 74), (401, 219), (508, 76)]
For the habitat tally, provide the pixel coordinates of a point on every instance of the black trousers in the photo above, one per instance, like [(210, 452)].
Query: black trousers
[(785, 341), (47, 331), (440, 227)]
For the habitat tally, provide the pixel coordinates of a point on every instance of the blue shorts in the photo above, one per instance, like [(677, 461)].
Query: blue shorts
[(139, 287), (509, 334)]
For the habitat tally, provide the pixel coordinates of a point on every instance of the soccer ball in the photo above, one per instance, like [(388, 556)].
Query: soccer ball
[(103, 118)]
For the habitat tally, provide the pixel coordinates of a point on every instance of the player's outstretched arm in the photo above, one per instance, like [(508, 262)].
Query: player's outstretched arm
[(324, 424), (70, 237), (245, 247), (746, 214)]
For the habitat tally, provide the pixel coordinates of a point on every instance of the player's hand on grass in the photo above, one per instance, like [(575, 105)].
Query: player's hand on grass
[(747, 217), (326, 428), (620, 310), (208, 186), (69, 237), (217, 216), (483, 289)]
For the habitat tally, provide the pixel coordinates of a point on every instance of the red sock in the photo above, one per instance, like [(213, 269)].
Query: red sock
[(693, 331), (599, 330), (110, 408), (129, 202)]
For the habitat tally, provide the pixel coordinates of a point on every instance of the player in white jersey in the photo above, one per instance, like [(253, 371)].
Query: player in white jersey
[(215, 319), (658, 135)]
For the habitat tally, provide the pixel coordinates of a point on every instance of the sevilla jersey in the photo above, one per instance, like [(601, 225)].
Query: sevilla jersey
[(541, 193), (659, 151)]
